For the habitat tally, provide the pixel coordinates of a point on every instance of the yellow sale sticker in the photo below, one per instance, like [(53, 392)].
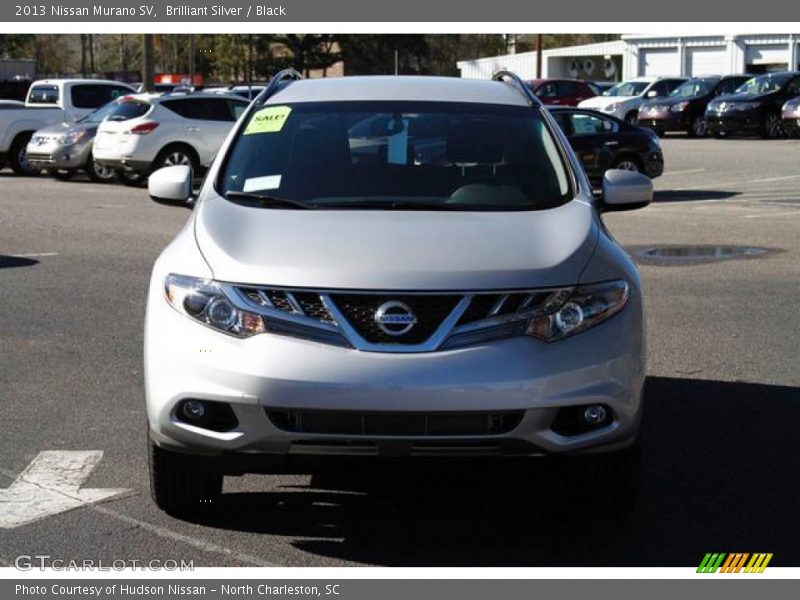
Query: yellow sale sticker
[(268, 120)]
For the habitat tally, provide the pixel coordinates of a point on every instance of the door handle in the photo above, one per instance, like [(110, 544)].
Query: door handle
[(193, 129), (611, 143)]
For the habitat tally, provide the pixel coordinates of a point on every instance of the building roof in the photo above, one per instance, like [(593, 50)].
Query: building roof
[(414, 88)]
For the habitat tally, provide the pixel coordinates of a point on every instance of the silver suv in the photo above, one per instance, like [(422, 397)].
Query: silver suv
[(394, 266)]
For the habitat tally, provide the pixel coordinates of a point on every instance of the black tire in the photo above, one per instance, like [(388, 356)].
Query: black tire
[(183, 485), (632, 117), (16, 156), (99, 173), (604, 485), (130, 178), (771, 126), (177, 154), (63, 174), (628, 162), (698, 128)]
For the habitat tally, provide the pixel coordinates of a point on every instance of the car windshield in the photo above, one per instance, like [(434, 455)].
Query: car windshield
[(627, 88), (694, 88), (100, 114), (764, 83), (398, 155)]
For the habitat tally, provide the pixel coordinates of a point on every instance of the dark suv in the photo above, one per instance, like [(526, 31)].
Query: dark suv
[(685, 107), (754, 106), (561, 92)]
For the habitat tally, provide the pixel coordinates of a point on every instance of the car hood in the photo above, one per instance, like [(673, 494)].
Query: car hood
[(394, 250), (61, 129), (599, 101)]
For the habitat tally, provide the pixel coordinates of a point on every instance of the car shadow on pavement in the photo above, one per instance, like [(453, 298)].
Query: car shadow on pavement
[(11, 262), (692, 195), (720, 473)]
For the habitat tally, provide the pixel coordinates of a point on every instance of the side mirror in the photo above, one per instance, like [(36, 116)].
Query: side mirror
[(652, 94), (625, 190), (172, 185)]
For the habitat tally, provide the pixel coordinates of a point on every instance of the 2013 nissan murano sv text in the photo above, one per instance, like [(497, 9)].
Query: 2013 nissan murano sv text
[(394, 266)]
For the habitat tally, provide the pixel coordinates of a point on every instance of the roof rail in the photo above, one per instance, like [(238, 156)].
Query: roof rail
[(517, 82), (274, 84)]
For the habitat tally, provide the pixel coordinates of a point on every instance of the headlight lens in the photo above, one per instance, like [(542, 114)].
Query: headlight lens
[(72, 137), (588, 306), (679, 107), (610, 107), (203, 300)]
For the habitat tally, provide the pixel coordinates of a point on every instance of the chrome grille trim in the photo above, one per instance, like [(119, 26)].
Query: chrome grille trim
[(334, 328)]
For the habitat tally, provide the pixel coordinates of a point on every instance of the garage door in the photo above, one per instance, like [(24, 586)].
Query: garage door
[(712, 60), (658, 61), (775, 55)]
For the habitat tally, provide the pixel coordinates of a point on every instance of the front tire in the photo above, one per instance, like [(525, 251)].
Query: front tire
[(18, 156), (183, 485), (698, 128), (771, 127), (98, 173), (628, 163), (632, 117)]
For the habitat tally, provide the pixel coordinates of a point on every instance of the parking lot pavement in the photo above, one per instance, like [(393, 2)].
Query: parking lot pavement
[(719, 436)]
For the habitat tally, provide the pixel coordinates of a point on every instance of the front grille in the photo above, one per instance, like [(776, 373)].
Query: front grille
[(410, 424), (430, 311)]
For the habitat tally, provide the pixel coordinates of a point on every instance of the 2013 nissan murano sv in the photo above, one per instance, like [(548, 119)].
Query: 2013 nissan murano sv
[(394, 266)]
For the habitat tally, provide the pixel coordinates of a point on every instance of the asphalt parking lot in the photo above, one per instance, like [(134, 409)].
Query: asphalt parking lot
[(723, 396)]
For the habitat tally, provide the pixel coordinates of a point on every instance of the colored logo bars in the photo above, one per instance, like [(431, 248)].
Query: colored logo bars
[(734, 563)]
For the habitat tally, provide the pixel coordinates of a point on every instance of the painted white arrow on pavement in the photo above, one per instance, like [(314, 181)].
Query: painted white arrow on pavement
[(50, 485)]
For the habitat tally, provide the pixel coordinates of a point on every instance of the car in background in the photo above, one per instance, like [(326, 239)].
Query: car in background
[(601, 87), (791, 116), (685, 108), (561, 92), (65, 148), (248, 92), (602, 142), (149, 131), (50, 102), (624, 99), (755, 106)]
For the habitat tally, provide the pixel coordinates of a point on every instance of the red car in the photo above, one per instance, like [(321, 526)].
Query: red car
[(561, 92)]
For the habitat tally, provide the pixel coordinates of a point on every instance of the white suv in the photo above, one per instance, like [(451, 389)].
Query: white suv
[(149, 131), (624, 99), (394, 266)]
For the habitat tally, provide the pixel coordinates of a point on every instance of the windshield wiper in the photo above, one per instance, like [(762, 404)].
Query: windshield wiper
[(268, 201)]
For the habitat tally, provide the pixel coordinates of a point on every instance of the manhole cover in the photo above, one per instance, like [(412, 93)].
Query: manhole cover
[(675, 254)]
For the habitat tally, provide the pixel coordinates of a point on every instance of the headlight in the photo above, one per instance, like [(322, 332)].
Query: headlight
[(611, 107), (588, 306), (71, 138), (679, 107), (203, 300)]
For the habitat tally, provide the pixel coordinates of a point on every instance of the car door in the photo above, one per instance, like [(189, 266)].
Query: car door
[(594, 141)]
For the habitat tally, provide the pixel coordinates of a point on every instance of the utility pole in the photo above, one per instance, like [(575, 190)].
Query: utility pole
[(148, 60), (191, 59), (538, 56)]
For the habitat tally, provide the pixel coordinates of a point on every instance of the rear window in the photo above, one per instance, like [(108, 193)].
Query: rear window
[(129, 109), (90, 95), (206, 109), (458, 156), (43, 94)]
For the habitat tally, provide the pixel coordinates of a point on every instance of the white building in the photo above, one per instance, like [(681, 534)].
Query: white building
[(637, 55)]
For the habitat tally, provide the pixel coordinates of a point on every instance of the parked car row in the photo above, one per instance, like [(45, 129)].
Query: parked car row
[(717, 105)]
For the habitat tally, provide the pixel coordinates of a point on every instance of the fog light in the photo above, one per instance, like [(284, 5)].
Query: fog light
[(194, 410), (595, 414)]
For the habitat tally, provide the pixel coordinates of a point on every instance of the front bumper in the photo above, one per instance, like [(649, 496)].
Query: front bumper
[(732, 123), (665, 121), (183, 359), (58, 157)]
